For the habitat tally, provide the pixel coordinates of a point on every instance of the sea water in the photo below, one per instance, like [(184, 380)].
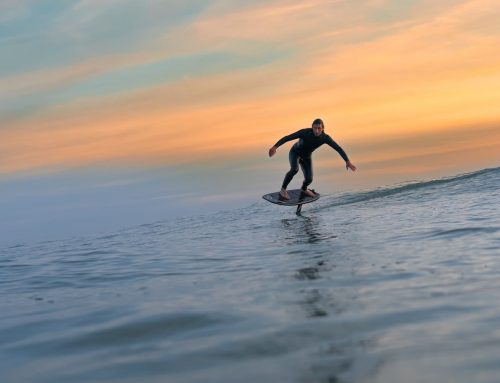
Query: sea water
[(395, 285)]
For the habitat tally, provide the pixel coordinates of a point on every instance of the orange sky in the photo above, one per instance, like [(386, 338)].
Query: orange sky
[(385, 80)]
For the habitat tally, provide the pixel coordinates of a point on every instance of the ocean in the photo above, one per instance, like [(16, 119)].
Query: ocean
[(397, 284)]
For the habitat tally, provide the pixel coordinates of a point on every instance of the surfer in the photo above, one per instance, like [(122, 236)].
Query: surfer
[(309, 140)]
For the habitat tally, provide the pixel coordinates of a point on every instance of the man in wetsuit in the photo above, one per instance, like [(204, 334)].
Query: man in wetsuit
[(309, 140)]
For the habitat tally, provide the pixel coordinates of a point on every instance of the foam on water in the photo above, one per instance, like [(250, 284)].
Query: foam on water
[(391, 285)]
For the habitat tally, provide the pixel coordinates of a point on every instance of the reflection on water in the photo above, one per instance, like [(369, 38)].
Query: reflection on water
[(305, 229), (335, 358)]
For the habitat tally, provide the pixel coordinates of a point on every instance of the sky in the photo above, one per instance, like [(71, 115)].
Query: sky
[(115, 113)]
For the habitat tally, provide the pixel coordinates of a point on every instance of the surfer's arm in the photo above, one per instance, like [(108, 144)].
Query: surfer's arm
[(293, 136), (341, 151), (298, 134)]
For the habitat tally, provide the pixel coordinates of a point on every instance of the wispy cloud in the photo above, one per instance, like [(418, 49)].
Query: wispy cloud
[(371, 68), (12, 10)]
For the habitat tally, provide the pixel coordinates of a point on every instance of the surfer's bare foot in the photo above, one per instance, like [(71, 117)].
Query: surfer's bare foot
[(309, 193), (284, 194)]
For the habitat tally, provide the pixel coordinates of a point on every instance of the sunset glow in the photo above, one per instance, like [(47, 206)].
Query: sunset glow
[(233, 79)]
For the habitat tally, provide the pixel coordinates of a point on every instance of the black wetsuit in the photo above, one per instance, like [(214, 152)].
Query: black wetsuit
[(301, 151)]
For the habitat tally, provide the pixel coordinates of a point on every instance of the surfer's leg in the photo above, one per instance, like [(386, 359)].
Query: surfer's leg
[(306, 165), (293, 157)]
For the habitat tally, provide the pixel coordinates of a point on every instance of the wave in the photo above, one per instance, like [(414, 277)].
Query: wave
[(464, 231), (352, 198)]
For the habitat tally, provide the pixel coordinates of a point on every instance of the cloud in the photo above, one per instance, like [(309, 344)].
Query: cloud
[(369, 77), (13, 10)]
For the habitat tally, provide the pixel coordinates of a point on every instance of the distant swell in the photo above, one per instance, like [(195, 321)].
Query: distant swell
[(349, 198), (464, 231)]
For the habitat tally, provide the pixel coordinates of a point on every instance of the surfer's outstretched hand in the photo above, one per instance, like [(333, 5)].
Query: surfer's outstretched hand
[(272, 151), (348, 165)]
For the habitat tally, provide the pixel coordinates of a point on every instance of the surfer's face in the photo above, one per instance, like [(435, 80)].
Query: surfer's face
[(317, 129)]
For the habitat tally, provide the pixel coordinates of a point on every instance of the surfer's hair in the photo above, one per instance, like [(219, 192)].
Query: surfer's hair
[(319, 121)]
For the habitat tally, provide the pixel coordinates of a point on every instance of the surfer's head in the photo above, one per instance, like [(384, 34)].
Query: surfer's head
[(318, 127)]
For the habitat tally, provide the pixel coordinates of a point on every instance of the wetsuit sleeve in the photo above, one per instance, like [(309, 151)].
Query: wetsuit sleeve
[(293, 136), (334, 145)]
